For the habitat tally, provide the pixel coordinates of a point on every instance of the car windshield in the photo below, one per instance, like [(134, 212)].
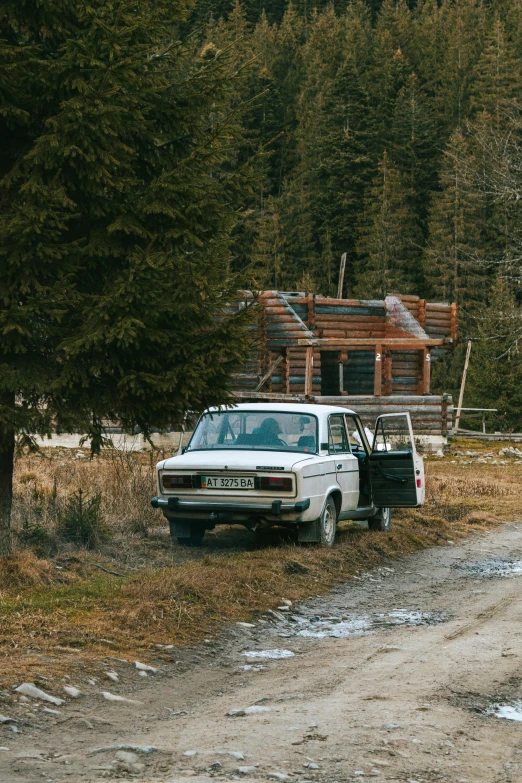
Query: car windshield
[(256, 430)]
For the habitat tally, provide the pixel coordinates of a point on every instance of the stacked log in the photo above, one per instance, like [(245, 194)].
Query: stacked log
[(282, 325), (413, 304), (359, 372), (291, 374), (349, 318), (438, 320), (406, 372), (430, 414)]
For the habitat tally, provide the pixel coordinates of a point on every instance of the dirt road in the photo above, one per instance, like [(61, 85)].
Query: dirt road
[(391, 678)]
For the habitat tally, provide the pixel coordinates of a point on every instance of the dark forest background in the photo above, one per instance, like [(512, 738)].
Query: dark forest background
[(391, 132)]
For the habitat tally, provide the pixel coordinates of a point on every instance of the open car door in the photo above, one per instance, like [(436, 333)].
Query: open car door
[(397, 471)]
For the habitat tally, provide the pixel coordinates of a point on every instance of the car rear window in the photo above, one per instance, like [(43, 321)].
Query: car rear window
[(256, 430)]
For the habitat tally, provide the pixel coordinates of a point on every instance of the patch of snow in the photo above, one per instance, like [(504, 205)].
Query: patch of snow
[(507, 711), (272, 654)]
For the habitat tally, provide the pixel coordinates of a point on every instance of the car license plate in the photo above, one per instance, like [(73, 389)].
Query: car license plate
[(227, 482)]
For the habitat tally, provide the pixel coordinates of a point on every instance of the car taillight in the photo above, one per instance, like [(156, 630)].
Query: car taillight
[(276, 483), (176, 482), (419, 483)]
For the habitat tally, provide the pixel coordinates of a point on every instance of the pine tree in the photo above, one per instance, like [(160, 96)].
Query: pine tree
[(455, 248), (388, 245), (264, 271), (495, 370), (414, 145), (496, 86), (344, 166), (116, 210), (384, 81), (464, 27)]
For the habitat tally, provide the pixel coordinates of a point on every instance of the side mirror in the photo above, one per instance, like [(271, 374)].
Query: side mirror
[(184, 449)]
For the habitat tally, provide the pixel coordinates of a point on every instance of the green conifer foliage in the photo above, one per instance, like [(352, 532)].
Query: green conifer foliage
[(388, 245), (384, 81), (455, 251), (495, 370), (414, 145), (496, 87), (344, 166), (464, 28), (116, 211)]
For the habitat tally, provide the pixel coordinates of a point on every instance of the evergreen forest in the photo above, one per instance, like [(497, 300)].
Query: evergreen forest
[(391, 132)]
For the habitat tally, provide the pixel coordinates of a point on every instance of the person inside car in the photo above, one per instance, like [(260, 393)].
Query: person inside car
[(268, 434)]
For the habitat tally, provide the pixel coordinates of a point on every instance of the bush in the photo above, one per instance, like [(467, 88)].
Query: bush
[(40, 540), (81, 520)]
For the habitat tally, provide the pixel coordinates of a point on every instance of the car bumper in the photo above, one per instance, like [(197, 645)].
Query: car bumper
[(275, 508)]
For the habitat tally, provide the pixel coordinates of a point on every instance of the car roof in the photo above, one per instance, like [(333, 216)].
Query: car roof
[(286, 407)]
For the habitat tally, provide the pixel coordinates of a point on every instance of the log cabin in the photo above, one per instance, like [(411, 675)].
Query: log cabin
[(371, 355)]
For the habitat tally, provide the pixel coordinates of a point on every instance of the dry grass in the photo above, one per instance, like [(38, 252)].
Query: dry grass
[(71, 614)]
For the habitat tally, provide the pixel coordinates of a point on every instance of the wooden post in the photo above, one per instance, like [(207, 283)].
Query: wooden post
[(462, 386), (309, 369), (342, 359), (377, 382), (341, 277), (426, 374), (311, 311), (387, 373), (444, 414), (286, 383)]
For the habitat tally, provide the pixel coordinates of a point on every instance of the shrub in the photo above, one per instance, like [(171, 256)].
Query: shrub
[(40, 540), (81, 520)]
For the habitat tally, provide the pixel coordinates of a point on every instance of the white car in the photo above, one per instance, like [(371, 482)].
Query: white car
[(293, 465)]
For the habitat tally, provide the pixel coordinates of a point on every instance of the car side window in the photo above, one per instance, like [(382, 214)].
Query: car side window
[(355, 435), (337, 440)]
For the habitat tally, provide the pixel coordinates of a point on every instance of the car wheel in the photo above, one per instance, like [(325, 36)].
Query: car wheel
[(328, 523), (381, 520)]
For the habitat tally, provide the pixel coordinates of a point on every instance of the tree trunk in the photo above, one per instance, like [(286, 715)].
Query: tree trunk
[(7, 446)]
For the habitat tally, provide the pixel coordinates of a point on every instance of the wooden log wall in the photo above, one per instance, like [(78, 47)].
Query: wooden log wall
[(344, 318), (430, 414), (406, 371), (285, 321), (437, 319), (289, 378)]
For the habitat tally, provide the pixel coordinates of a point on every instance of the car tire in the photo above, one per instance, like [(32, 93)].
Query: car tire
[(381, 520), (328, 523)]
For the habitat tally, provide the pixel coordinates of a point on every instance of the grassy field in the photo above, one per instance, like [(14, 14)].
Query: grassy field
[(59, 610)]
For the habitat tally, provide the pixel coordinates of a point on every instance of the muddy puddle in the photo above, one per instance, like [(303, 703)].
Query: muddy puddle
[(492, 568), (341, 627)]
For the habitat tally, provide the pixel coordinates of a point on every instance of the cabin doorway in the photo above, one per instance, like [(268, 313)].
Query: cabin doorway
[(353, 377)]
